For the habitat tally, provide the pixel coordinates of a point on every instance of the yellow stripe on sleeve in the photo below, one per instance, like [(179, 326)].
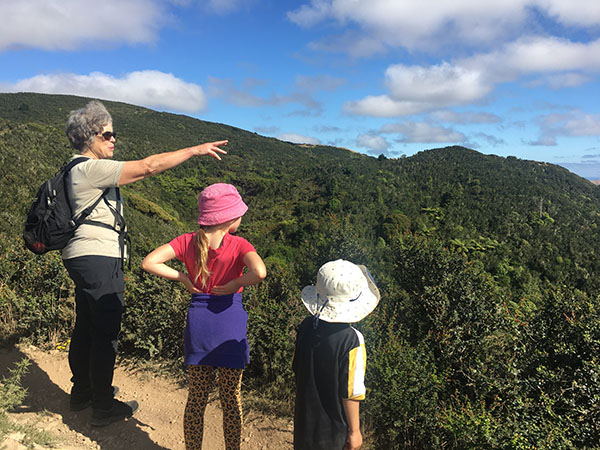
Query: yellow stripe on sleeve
[(356, 371)]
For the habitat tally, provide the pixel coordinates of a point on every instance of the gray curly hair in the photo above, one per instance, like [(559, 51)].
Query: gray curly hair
[(85, 123)]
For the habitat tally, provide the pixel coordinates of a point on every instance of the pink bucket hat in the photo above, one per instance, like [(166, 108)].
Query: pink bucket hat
[(219, 203)]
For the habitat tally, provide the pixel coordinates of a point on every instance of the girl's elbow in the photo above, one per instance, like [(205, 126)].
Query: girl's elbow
[(146, 265), (261, 273)]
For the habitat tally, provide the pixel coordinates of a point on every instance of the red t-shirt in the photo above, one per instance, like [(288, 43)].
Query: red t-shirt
[(225, 263)]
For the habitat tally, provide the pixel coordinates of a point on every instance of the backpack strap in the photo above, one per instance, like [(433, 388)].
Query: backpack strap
[(119, 222), (65, 169), (68, 166), (87, 211)]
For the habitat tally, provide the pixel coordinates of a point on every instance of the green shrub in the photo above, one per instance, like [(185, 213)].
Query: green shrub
[(11, 391), (402, 400), (274, 312), (36, 298), (560, 375), (455, 308), (154, 316), (469, 425)]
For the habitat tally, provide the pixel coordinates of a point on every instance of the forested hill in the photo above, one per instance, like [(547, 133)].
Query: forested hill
[(488, 268), (538, 213)]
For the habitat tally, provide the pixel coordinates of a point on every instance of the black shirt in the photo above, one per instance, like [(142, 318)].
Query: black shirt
[(329, 364)]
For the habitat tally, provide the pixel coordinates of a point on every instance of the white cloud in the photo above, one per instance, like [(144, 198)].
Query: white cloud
[(319, 83), (415, 89), (327, 129), (443, 84), (226, 89), (536, 55), (562, 80), (467, 117), (266, 129), (543, 141), (508, 29), (226, 6), (571, 124), (573, 12), (307, 16), (298, 139), (428, 24), (490, 140), (592, 156), (423, 132), (352, 43), (384, 106), (372, 142), (71, 24), (416, 23), (147, 88)]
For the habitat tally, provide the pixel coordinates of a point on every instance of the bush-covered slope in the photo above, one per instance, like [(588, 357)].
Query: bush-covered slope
[(487, 334)]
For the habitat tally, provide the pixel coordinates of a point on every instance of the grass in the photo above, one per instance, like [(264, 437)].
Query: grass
[(258, 401)]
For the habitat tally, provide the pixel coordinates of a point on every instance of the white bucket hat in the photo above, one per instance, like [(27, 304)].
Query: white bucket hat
[(344, 293)]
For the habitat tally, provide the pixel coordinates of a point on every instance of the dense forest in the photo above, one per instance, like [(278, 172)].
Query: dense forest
[(488, 332)]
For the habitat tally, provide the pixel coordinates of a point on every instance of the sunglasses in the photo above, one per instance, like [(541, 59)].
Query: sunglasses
[(108, 134)]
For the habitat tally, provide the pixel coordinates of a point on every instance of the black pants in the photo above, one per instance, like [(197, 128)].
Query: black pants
[(99, 288)]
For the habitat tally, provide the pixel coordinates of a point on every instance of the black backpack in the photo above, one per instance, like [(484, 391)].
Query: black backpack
[(50, 223)]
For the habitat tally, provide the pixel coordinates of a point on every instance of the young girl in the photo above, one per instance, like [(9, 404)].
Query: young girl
[(215, 332)]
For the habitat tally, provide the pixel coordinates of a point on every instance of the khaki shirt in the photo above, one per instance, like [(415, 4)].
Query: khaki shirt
[(86, 182)]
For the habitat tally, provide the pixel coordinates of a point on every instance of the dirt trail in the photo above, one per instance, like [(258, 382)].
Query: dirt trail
[(156, 426)]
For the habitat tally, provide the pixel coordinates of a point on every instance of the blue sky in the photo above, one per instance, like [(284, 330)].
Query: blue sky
[(393, 77)]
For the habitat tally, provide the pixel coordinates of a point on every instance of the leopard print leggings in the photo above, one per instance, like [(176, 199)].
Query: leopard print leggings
[(201, 380)]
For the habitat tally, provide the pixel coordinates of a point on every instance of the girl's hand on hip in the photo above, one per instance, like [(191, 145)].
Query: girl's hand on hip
[(230, 288), (189, 285)]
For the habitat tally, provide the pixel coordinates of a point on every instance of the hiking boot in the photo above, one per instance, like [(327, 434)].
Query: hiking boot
[(80, 403), (119, 411)]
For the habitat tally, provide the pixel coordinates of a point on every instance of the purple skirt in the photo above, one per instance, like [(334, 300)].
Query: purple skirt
[(215, 332)]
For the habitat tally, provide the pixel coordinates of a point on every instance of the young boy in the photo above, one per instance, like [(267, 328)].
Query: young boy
[(329, 360)]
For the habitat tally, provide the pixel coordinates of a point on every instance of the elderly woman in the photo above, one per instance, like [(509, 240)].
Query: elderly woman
[(94, 256)]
